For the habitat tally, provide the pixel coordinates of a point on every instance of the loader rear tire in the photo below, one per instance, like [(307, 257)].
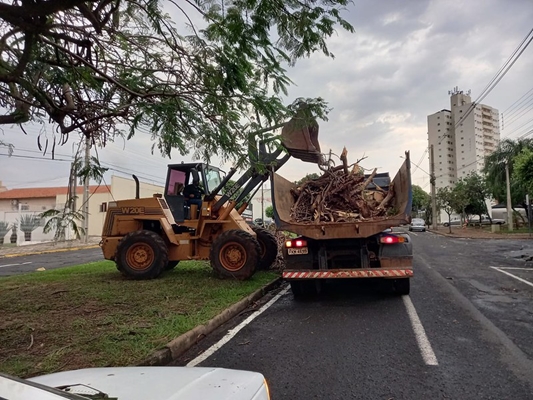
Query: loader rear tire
[(141, 255), (269, 247), (235, 254)]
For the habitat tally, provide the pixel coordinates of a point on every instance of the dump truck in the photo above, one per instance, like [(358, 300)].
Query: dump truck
[(347, 250), (146, 236)]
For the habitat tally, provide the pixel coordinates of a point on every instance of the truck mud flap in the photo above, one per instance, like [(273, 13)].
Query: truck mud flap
[(349, 273)]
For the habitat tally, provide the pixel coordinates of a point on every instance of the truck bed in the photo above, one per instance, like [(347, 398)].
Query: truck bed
[(283, 201)]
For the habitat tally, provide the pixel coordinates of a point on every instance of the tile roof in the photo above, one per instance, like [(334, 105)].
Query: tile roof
[(33, 193)]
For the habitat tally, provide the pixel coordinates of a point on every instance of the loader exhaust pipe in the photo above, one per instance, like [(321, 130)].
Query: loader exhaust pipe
[(137, 189)]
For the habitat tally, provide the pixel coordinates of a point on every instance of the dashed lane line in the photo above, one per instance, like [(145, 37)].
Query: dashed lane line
[(232, 332), (513, 276), (14, 265), (428, 355)]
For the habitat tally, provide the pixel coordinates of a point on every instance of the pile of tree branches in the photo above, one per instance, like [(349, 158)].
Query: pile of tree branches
[(341, 195)]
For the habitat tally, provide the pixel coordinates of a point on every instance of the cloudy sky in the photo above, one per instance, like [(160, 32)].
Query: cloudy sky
[(385, 79)]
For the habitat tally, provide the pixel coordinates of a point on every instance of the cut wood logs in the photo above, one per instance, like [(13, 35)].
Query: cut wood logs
[(341, 194)]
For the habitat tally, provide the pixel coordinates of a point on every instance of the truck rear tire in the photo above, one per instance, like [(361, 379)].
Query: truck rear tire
[(171, 265), (303, 289), (269, 247), (235, 254), (141, 255), (401, 286)]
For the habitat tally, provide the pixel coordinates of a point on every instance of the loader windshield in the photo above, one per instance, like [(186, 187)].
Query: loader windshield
[(212, 178)]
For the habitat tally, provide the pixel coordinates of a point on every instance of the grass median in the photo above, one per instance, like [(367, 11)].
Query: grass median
[(90, 316)]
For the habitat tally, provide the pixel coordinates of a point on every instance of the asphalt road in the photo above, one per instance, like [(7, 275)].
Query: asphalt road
[(473, 338), (23, 264)]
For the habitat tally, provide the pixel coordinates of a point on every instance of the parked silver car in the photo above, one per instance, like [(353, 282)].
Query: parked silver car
[(417, 224), (485, 220), (453, 222)]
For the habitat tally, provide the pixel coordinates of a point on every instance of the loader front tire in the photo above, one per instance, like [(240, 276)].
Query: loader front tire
[(234, 254), (141, 255), (269, 247)]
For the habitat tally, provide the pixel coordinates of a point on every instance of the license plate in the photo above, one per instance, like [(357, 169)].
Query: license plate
[(293, 252)]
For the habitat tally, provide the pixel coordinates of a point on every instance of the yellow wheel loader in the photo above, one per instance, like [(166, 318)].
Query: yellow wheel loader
[(147, 236)]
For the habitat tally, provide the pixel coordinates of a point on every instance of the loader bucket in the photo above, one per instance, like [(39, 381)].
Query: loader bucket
[(301, 140)]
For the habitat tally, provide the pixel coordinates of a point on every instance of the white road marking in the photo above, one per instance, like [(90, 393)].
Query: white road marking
[(232, 332), (421, 338), (523, 269), (14, 265), (513, 276)]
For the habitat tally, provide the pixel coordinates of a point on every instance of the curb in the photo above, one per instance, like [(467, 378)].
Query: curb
[(48, 251), (496, 237), (184, 342)]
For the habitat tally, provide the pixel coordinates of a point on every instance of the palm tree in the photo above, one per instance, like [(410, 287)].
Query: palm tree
[(61, 221), (28, 223), (4, 229)]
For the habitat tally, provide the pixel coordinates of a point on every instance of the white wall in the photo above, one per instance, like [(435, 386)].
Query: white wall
[(124, 188)]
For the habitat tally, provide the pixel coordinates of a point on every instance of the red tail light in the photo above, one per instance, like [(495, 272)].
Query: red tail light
[(296, 243), (391, 239)]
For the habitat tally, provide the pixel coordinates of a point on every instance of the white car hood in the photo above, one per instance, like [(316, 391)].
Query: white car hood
[(164, 383)]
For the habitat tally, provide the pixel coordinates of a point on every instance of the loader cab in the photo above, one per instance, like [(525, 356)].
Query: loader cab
[(181, 175)]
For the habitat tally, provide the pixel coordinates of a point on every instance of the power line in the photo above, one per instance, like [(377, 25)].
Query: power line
[(518, 129), (525, 111), (34, 158), (59, 159), (497, 78), (511, 106)]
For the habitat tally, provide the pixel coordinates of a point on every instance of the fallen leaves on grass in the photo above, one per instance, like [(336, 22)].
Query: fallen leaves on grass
[(89, 316)]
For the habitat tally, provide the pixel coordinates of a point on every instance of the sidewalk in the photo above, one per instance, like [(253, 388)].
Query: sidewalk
[(478, 233), (7, 250)]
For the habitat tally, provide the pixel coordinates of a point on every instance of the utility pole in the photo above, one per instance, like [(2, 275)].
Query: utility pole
[(86, 190), (433, 191), (509, 205), (263, 205)]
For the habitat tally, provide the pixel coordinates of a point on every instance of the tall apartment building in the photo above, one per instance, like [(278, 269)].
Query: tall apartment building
[(462, 137)]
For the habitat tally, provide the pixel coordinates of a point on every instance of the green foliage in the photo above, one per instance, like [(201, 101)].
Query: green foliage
[(420, 198), (494, 170), (93, 171), (28, 222), (98, 67), (269, 212), (308, 177), (228, 187), (476, 191), (61, 221), (445, 200), (523, 170)]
